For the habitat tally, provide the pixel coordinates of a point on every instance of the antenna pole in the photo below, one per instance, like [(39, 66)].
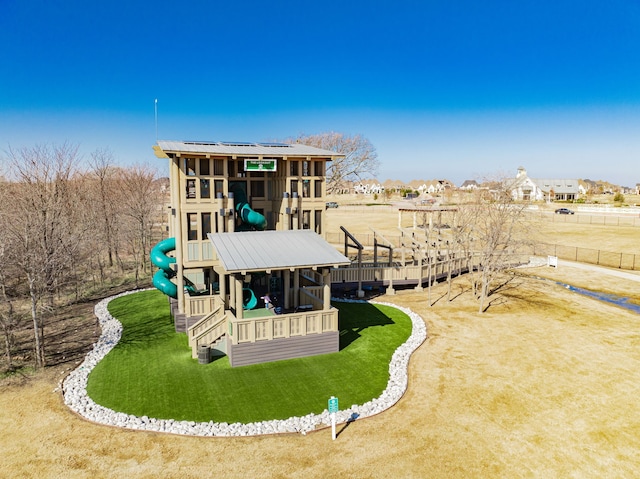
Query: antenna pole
[(156, 114)]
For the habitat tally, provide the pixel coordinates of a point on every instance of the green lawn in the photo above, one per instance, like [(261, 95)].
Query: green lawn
[(151, 373)]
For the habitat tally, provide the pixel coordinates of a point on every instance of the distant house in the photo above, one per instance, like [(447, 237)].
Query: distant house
[(637, 188), (435, 186), (369, 187), (587, 186), (524, 188), (469, 185), (528, 189)]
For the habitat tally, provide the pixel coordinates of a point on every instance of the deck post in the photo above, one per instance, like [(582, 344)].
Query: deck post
[(238, 303), (326, 294)]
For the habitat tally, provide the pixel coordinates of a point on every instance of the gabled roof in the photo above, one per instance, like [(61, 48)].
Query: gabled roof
[(469, 183), (558, 186), (244, 149), (272, 250)]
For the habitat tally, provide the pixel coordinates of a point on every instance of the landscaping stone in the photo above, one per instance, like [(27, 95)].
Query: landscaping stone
[(76, 398)]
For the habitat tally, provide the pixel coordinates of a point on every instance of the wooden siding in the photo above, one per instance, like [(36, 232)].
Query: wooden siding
[(283, 348)]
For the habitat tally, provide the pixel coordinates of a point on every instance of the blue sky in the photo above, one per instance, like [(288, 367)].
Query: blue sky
[(456, 90)]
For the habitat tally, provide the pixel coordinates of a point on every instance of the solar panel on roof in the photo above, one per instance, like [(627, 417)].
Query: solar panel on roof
[(269, 144), (237, 143)]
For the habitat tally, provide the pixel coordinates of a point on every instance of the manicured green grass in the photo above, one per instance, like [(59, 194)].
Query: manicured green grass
[(150, 372)]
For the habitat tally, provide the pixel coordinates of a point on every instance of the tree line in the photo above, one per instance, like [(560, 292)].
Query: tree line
[(67, 229)]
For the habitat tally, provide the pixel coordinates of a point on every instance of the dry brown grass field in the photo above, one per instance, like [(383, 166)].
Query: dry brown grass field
[(544, 384)]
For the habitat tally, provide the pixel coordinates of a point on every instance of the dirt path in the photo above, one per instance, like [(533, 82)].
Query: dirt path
[(545, 384), (618, 273)]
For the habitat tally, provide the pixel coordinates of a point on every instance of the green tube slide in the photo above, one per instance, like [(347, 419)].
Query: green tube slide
[(249, 300), (247, 215), (162, 278)]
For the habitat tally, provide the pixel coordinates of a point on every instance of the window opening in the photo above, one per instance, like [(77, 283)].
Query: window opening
[(218, 167), (204, 167), (192, 226), (205, 188), (206, 225), (190, 166)]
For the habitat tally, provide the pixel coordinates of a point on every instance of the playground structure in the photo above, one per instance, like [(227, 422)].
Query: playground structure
[(247, 219)]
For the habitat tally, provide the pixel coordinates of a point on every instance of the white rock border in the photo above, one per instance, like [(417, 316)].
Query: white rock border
[(76, 398)]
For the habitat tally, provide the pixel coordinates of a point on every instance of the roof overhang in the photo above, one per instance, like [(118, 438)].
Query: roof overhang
[(167, 148), (250, 251)]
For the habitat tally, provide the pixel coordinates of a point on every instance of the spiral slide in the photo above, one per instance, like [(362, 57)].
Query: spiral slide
[(162, 278), (248, 215)]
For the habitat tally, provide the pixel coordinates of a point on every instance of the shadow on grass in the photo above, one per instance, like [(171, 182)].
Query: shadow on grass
[(354, 318)]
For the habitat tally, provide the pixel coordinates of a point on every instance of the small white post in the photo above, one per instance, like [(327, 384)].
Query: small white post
[(333, 409), (333, 426)]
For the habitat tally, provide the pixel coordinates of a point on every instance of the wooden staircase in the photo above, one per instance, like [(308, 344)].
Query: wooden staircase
[(207, 330)]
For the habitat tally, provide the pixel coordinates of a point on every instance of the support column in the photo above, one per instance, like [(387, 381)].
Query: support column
[(285, 211), (286, 279), (231, 206), (326, 283), (295, 205), (296, 288), (239, 309), (176, 212), (232, 292), (390, 289), (221, 212), (222, 285)]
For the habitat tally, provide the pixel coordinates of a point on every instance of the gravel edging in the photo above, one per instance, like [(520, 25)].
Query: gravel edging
[(76, 398)]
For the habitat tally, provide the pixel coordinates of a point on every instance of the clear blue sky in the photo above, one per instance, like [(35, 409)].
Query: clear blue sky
[(443, 89)]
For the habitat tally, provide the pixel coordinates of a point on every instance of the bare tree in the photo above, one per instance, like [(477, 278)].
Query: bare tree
[(500, 232), (141, 206), (42, 225), (9, 318), (360, 161), (104, 174), (462, 222)]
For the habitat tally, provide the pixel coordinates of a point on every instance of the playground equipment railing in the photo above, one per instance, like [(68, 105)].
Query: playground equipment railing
[(208, 329), (249, 330), (374, 273), (199, 305), (311, 295)]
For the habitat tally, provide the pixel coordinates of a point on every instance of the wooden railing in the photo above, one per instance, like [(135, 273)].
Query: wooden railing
[(208, 329), (249, 330), (387, 274), (201, 305), (312, 295)]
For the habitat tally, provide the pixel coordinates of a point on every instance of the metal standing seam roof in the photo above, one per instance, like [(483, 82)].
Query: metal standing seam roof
[(246, 149), (269, 250)]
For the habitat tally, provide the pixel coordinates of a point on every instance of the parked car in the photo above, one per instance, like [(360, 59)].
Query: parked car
[(564, 211), (332, 204)]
